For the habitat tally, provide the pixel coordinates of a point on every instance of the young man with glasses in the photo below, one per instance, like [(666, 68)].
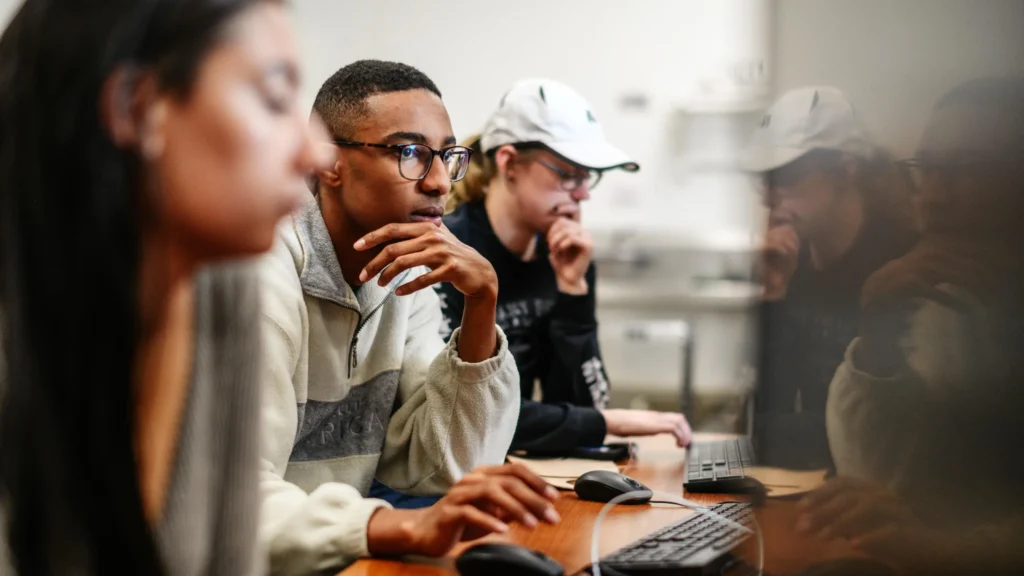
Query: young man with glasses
[(540, 155), (837, 213), (360, 385)]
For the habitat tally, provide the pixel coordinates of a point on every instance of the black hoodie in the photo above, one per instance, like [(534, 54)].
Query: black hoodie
[(553, 337)]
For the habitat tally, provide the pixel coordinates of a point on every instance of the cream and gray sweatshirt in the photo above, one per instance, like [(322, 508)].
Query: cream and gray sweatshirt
[(947, 420), (359, 385)]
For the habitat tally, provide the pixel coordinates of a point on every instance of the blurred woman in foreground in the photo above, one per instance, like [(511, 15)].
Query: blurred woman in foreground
[(140, 141)]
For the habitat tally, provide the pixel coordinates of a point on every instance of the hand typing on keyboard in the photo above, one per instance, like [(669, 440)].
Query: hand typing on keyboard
[(870, 516), (648, 423)]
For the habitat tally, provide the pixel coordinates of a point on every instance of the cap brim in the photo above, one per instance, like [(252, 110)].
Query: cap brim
[(766, 159), (596, 155)]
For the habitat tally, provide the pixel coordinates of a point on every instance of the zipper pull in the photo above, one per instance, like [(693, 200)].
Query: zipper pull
[(352, 366)]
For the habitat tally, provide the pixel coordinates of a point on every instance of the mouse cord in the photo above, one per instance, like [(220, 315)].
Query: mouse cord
[(595, 553)]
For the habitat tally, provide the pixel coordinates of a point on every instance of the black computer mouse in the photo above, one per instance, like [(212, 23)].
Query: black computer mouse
[(602, 486), (496, 559), (849, 567)]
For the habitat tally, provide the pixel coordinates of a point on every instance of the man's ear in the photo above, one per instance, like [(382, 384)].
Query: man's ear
[(133, 112), (330, 175)]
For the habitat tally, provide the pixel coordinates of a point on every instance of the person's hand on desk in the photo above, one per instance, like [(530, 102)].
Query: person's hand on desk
[(870, 517), (479, 504), (648, 423)]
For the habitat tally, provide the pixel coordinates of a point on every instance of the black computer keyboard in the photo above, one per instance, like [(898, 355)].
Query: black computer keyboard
[(719, 466), (697, 545)]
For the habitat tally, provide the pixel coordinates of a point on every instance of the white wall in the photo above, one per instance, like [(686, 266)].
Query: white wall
[(891, 57), (7, 8), (657, 50)]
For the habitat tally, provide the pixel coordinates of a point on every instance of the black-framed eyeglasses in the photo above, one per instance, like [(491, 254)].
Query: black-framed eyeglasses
[(414, 160), (947, 170), (572, 181)]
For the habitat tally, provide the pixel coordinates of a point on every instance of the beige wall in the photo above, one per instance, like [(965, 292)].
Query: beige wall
[(7, 8), (894, 58)]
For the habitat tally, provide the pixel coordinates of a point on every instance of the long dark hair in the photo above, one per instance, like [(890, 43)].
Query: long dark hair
[(69, 265)]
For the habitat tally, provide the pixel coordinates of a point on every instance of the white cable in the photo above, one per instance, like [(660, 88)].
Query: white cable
[(595, 553)]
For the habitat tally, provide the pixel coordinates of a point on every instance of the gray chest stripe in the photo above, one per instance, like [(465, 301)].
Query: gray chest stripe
[(354, 426)]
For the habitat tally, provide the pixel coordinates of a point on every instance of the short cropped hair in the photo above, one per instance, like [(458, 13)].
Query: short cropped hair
[(342, 98)]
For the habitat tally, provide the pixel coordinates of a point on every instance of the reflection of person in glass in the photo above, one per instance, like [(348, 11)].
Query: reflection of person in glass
[(926, 408), (837, 214)]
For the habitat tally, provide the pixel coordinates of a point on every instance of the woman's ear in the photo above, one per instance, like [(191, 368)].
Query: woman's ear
[(153, 137), (505, 161), (133, 112), (850, 164)]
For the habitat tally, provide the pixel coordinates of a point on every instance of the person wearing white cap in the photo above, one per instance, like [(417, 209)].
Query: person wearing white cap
[(928, 399), (837, 214), (541, 153)]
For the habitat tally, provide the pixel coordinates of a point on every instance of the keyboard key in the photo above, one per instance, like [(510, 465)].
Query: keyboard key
[(681, 554), (672, 548)]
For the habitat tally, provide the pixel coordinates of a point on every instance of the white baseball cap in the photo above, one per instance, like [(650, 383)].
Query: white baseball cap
[(552, 114), (814, 117)]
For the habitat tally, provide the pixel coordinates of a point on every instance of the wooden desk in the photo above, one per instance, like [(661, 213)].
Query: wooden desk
[(659, 465)]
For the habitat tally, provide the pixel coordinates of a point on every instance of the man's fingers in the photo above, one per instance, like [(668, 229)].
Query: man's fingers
[(431, 257), (676, 428), (389, 253), (563, 224), (426, 280), (393, 231), (683, 433), (473, 516), (556, 236), (886, 542), (500, 493), (536, 483), (825, 493), (538, 505), (570, 241), (854, 521), (820, 518)]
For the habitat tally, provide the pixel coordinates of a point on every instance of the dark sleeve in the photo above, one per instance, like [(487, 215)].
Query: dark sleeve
[(542, 427), (557, 427), (575, 372), (451, 308)]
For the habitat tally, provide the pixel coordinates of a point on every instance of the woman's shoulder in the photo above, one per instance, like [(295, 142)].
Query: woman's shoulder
[(228, 315)]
